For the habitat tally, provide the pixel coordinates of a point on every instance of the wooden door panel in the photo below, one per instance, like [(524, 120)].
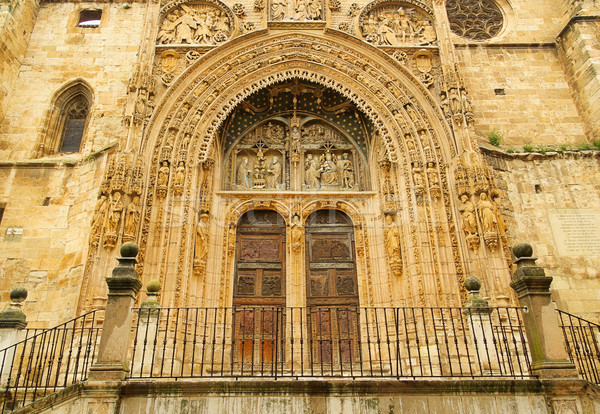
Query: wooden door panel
[(332, 291)]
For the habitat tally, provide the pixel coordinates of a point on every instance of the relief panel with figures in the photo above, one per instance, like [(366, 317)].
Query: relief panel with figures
[(267, 158)]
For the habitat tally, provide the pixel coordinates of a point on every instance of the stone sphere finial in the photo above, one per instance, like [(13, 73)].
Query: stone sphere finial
[(18, 294), (129, 249), (472, 284), (153, 286), (522, 249)]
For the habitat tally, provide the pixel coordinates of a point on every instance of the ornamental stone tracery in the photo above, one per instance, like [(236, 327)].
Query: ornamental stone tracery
[(475, 19)]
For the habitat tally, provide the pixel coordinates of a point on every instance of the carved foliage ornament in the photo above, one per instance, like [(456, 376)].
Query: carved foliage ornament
[(474, 19), (395, 24), (199, 23)]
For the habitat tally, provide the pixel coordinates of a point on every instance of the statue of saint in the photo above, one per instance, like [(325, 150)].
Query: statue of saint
[(273, 173), (180, 174), (432, 175), (201, 251), (467, 210), (347, 172), (132, 216), (114, 213), (486, 214), (499, 220), (392, 240), (297, 233), (163, 174), (328, 169), (311, 178), (278, 9), (244, 175)]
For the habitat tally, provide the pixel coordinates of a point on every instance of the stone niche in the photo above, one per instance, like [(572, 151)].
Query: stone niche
[(289, 155)]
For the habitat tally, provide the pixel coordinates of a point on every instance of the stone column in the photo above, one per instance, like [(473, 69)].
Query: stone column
[(478, 312), (12, 323), (147, 330), (549, 358), (123, 287)]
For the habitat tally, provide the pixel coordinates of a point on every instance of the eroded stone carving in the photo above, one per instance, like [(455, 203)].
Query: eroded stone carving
[(199, 23), (395, 25), (296, 10), (469, 221), (393, 245), (487, 219), (113, 220), (201, 245), (132, 217)]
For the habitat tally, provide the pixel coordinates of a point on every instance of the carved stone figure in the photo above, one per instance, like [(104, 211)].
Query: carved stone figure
[(313, 10), (163, 174), (467, 210), (496, 203), (311, 178), (179, 174), (273, 173), (132, 216), (201, 250), (428, 35), (328, 169), (454, 101), (186, 26), (445, 105), (392, 241), (487, 217), (279, 9), (98, 219), (432, 175), (115, 211), (297, 233), (347, 172), (244, 175), (167, 29)]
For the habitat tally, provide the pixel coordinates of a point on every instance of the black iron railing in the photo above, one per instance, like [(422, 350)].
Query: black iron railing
[(582, 340), (328, 342), (48, 360)]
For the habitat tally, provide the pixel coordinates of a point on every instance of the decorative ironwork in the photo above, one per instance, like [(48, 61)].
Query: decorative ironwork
[(49, 360), (582, 339), (329, 341), (474, 19)]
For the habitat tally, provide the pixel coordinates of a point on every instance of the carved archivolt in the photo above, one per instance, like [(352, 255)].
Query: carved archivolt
[(352, 76), (397, 24)]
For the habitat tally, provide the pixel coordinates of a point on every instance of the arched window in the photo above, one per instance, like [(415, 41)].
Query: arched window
[(66, 120)]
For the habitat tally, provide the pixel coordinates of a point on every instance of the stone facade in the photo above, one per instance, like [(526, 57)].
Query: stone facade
[(196, 114)]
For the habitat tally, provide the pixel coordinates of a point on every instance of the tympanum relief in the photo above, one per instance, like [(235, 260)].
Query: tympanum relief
[(397, 24), (200, 23), (312, 157)]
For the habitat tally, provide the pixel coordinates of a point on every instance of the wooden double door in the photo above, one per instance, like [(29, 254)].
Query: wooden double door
[(331, 315)]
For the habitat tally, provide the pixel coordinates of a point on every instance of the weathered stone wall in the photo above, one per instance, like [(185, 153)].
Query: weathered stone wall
[(104, 57), (16, 23), (334, 396), (52, 203), (537, 105), (547, 193), (579, 53)]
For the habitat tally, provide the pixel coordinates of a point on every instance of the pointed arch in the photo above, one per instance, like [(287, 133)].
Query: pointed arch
[(66, 119)]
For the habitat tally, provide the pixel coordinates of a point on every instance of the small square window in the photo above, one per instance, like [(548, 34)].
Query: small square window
[(89, 18)]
